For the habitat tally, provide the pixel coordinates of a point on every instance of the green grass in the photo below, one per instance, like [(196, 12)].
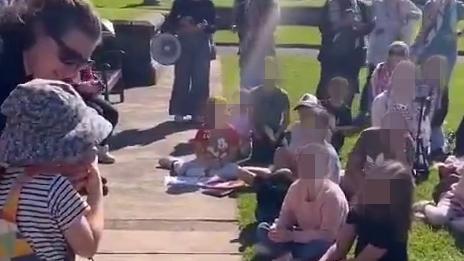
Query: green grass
[(284, 35), (165, 4), (134, 9), (301, 74)]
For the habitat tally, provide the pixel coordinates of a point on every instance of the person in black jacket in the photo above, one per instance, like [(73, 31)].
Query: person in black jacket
[(48, 39), (345, 23), (194, 23)]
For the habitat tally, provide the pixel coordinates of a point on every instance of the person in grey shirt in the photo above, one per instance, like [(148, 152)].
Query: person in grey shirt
[(395, 20)]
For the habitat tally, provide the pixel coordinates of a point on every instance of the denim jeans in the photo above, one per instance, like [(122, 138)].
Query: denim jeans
[(267, 249)]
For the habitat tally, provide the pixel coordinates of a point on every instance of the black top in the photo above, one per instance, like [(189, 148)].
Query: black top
[(378, 235), (199, 10), (11, 68), (343, 117)]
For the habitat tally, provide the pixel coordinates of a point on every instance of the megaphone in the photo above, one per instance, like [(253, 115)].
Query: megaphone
[(165, 48)]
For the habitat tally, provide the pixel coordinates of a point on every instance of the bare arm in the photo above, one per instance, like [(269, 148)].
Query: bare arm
[(370, 253), (85, 233), (342, 246)]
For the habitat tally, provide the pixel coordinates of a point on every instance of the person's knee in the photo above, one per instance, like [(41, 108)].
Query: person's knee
[(436, 216)]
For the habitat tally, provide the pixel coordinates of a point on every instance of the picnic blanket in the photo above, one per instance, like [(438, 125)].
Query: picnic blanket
[(213, 186)]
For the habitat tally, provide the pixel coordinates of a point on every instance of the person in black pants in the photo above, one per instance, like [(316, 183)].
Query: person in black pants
[(194, 23), (343, 27)]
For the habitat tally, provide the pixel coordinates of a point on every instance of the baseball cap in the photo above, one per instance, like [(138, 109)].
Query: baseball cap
[(308, 101)]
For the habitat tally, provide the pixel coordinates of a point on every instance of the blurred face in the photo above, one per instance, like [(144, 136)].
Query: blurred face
[(434, 71), (375, 192), (337, 91), (307, 116), (312, 163), (395, 56), (60, 58)]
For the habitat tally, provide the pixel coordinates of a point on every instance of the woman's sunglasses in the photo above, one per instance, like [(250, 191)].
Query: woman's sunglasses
[(69, 56)]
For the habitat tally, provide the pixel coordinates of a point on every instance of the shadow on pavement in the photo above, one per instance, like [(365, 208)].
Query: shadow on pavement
[(182, 149), (134, 137)]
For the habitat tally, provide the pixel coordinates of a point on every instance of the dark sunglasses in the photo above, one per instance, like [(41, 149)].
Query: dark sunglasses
[(69, 56)]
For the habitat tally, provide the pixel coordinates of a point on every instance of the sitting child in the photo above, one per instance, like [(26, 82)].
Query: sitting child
[(216, 146), (449, 209), (391, 141), (312, 213), (338, 89), (271, 184), (381, 219), (270, 115)]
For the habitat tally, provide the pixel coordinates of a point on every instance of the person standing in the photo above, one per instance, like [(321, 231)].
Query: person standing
[(239, 21), (194, 23), (394, 21), (345, 23), (262, 18), (438, 36)]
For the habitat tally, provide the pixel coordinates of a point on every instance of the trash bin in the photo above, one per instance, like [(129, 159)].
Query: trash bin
[(134, 38)]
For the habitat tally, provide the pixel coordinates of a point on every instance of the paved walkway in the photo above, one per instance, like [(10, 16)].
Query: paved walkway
[(143, 221)]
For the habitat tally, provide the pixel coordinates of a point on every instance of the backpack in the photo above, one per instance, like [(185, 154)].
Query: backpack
[(14, 246)]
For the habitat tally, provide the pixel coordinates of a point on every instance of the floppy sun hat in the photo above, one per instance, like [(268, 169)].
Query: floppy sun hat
[(48, 122)]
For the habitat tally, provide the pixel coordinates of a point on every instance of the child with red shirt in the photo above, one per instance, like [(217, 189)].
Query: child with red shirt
[(216, 146)]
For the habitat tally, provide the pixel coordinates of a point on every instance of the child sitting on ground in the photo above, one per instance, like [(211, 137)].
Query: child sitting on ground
[(312, 213), (216, 146), (271, 184), (450, 207), (313, 127), (381, 219), (391, 141), (270, 115), (338, 89)]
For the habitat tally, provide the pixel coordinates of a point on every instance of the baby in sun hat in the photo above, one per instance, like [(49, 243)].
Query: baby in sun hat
[(50, 134)]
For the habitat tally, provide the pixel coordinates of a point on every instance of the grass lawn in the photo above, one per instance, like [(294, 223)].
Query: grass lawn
[(309, 35), (300, 75), (166, 4), (284, 35), (134, 9)]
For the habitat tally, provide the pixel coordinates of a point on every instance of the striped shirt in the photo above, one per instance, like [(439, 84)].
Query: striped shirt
[(48, 205)]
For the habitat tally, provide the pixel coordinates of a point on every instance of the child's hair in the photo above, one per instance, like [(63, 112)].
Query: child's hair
[(338, 84), (397, 212), (398, 48)]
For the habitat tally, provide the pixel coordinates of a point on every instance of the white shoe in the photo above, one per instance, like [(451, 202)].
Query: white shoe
[(104, 155)]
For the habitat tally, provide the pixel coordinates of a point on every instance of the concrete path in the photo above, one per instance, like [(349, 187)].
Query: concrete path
[(143, 221)]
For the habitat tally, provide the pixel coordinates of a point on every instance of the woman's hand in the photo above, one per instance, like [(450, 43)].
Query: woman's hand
[(94, 181)]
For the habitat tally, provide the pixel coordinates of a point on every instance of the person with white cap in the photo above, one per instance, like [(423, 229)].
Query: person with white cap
[(48, 150)]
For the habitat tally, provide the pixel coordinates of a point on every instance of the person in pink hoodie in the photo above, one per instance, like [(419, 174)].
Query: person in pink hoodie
[(312, 213)]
